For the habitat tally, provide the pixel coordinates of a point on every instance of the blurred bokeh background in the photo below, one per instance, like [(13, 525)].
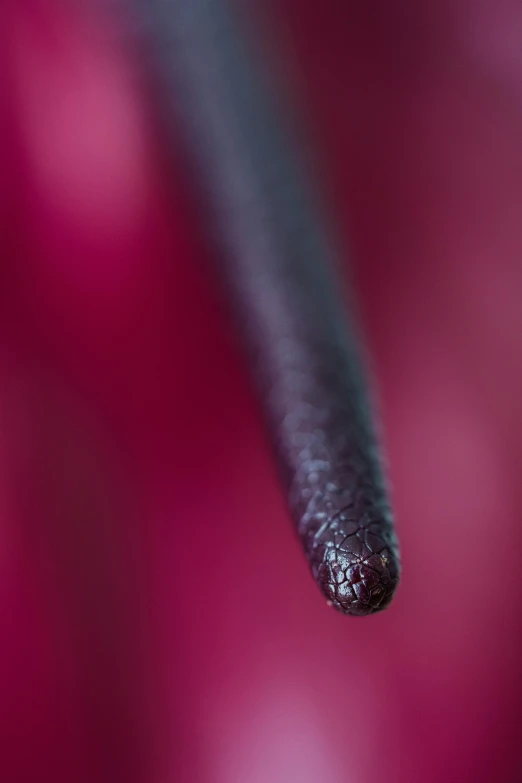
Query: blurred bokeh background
[(157, 619)]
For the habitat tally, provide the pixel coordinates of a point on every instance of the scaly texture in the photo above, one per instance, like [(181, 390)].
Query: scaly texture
[(278, 266), (334, 479)]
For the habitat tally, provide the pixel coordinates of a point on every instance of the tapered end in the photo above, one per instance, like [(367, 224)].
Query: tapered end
[(356, 569), (363, 588)]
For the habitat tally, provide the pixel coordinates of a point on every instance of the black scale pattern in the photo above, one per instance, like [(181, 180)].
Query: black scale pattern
[(277, 263)]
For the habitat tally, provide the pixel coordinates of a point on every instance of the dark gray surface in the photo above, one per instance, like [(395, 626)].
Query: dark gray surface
[(278, 266)]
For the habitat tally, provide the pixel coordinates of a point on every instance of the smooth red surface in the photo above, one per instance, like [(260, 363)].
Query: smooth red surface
[(158, 620)]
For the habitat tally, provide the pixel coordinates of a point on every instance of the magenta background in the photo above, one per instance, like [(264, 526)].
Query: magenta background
[(158, 622)]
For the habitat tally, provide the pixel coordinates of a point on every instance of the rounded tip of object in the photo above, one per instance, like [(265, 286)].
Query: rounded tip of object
[(363, 592), (358, 585)]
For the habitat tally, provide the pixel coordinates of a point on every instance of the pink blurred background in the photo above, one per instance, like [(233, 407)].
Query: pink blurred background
[(158, 622)]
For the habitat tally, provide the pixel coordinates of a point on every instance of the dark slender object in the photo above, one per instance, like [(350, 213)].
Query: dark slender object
[(278, 267)]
